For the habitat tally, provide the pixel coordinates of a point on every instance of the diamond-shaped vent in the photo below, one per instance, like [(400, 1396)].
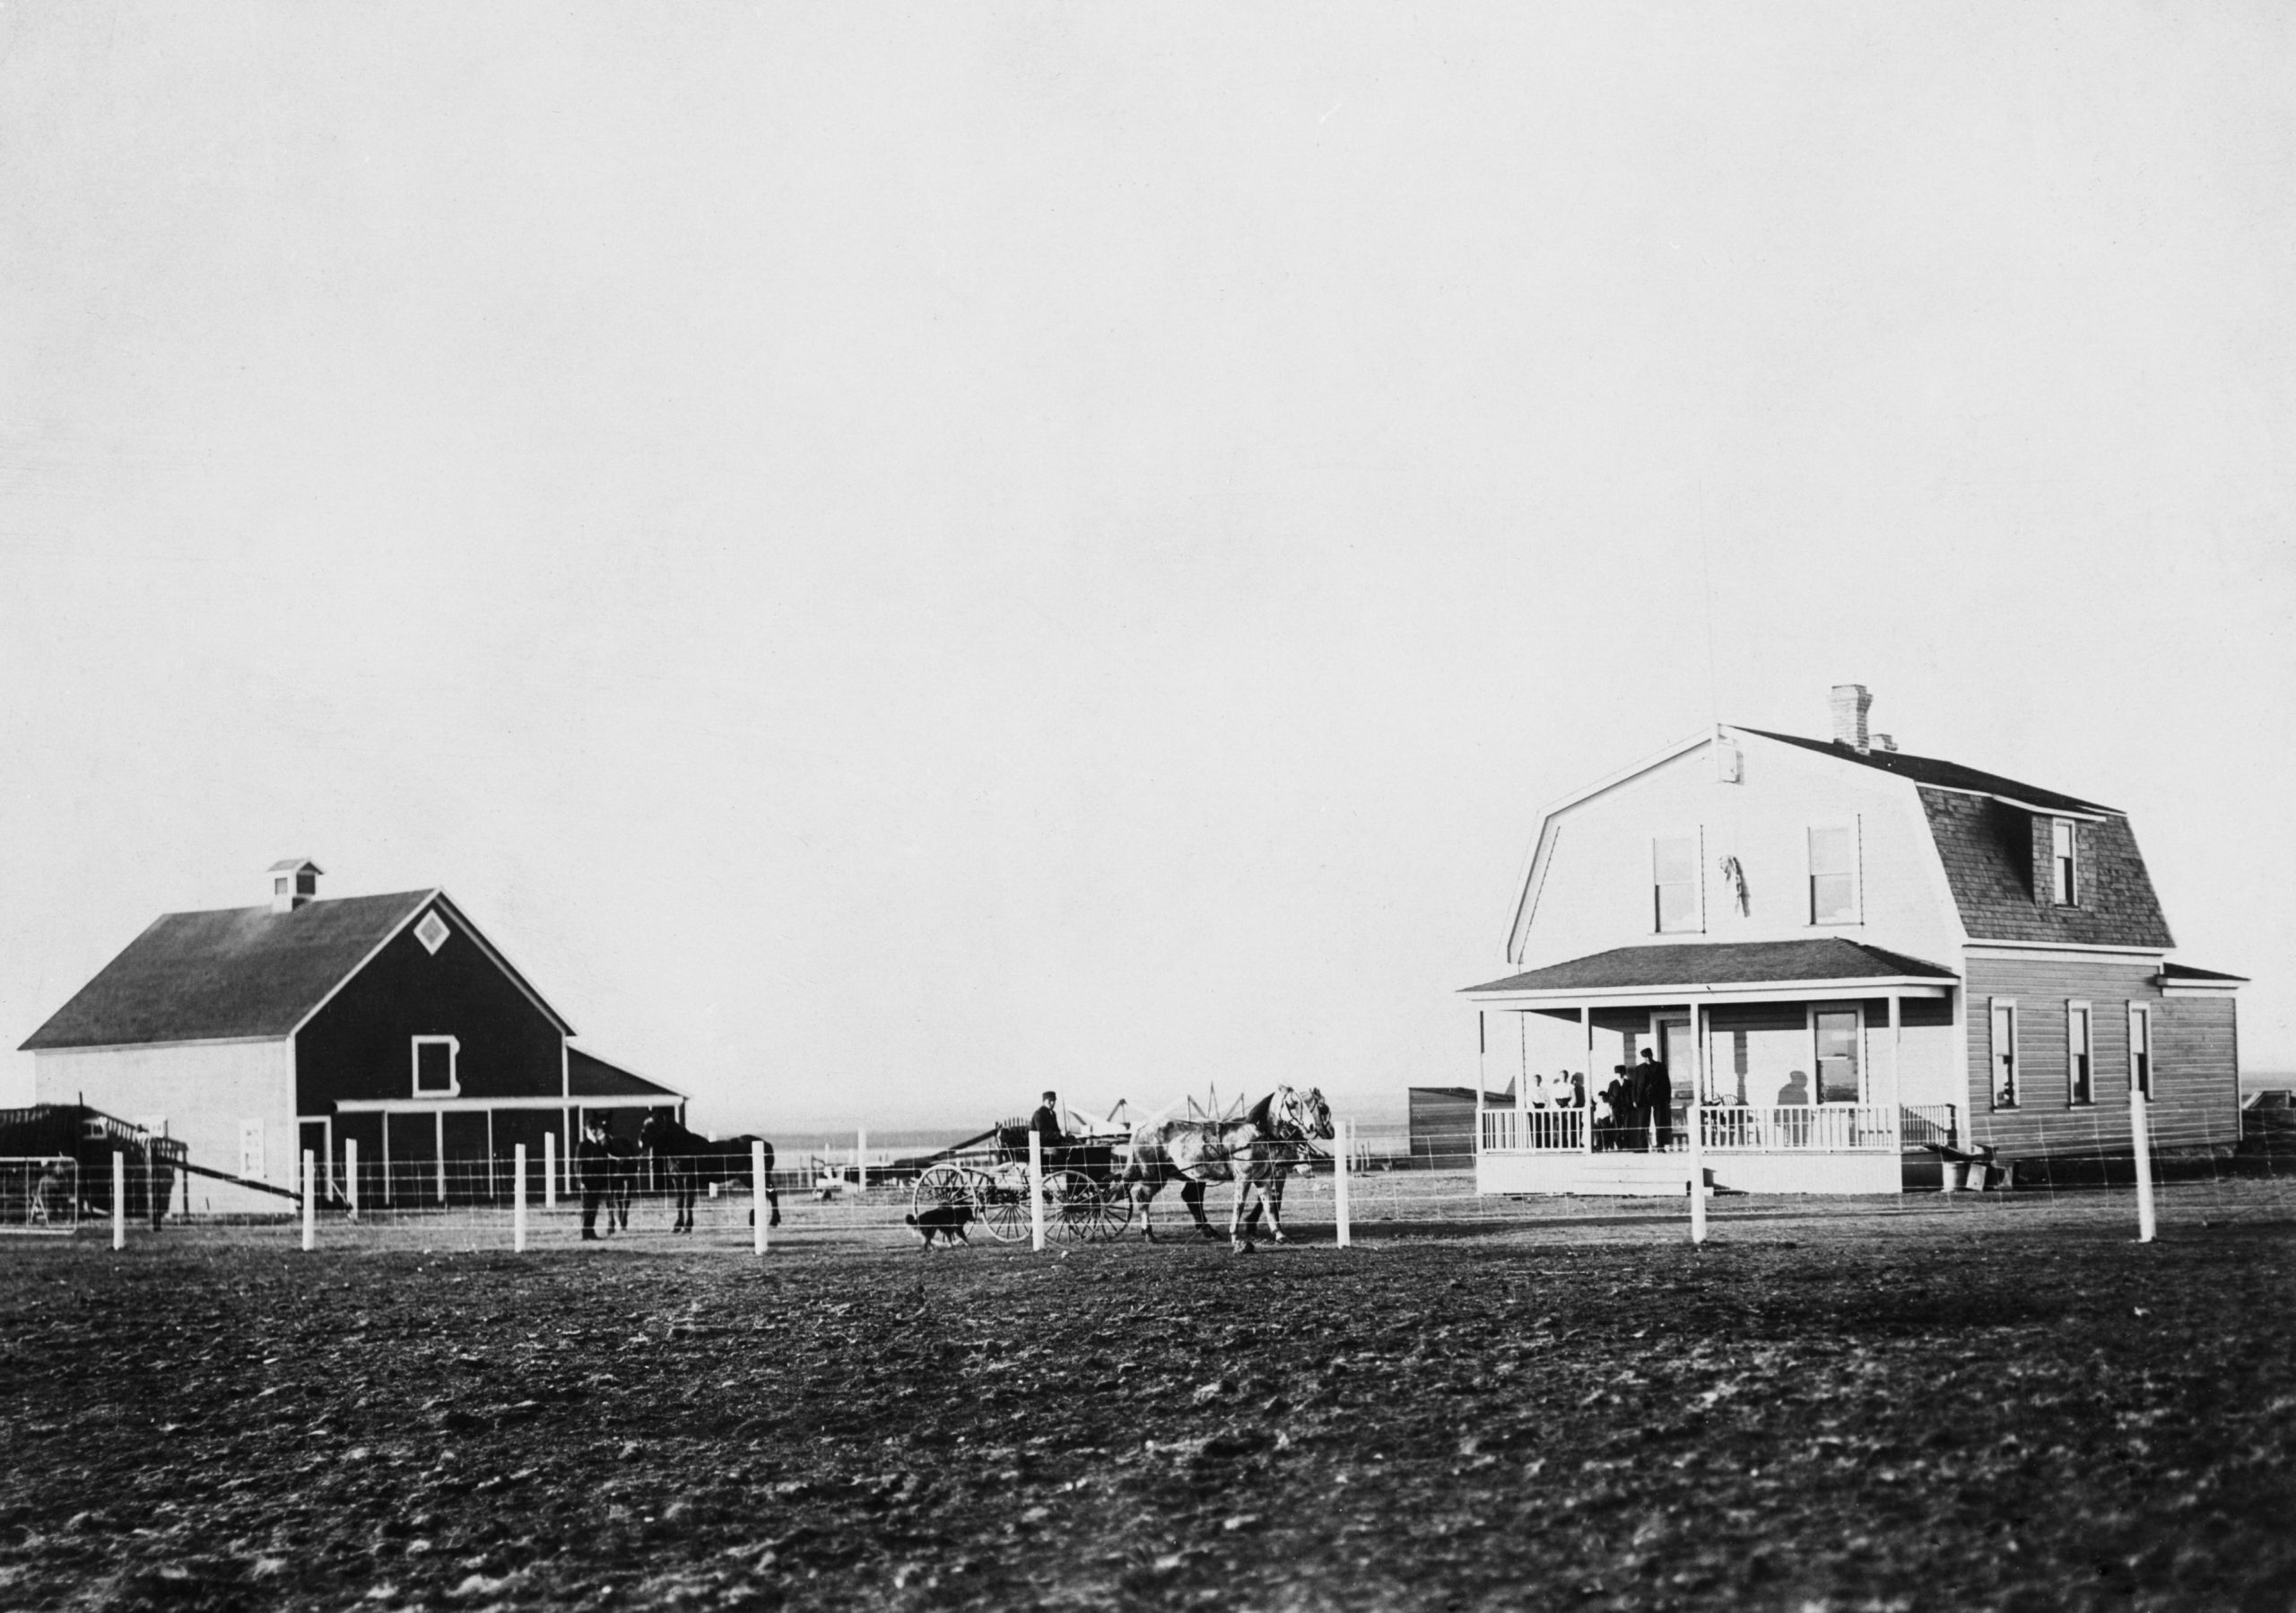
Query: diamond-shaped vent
[(433, 932)]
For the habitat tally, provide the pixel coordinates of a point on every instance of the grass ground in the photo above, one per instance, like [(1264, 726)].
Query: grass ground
[(1968, 1405)]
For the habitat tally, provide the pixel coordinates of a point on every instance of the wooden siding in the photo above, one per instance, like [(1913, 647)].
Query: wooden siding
[(2195, 1080), (359, 1046)]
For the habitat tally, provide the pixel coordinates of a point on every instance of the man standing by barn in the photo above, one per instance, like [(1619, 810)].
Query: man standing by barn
[(593, 1164)]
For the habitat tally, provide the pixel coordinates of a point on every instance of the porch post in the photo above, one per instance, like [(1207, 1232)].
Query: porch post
[(1586, 1051), (1897, 1065)]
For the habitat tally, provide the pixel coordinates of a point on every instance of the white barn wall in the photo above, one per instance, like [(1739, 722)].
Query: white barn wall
[(1595, 891), (204, 1090)]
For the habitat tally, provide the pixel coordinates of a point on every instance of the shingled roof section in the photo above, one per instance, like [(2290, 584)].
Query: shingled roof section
[(227, 972), (1988, 848), (1947, 775), (1721, 964), (588, 1075)]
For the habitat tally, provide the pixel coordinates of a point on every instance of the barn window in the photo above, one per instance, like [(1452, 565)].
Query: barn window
[(431, 932), (434, 1067)]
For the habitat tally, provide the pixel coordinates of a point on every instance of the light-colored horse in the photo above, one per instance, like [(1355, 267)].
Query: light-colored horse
[(1253, 1153)]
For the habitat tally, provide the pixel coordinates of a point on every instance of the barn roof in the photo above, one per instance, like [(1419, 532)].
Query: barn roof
[(588, 1075), (1721, 964), (239, 971)]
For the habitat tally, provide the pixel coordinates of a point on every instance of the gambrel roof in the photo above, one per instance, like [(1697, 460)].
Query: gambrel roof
[(242, 972), (1946, 775)]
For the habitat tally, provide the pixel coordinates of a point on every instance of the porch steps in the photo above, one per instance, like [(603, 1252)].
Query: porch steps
[(1637, 1176)]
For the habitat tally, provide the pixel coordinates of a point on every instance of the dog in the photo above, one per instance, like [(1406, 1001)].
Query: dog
[(946, 1222)]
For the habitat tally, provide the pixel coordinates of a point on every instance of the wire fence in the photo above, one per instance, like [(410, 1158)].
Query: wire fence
[(2191, 1170)]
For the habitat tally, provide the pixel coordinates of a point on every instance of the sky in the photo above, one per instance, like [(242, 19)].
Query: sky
[(892, 558)]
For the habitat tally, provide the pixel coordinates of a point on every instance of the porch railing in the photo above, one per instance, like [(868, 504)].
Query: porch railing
[(1790, 1129), (1926, 1123), (1534, 1130)]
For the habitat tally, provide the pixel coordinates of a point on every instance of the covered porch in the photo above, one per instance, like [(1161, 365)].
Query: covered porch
[(1799, 1067)]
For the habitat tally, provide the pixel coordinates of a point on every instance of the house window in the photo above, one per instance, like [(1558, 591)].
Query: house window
[(2080, 1089), (2064, 861), (1833, 874), (434, 1067), (2140, 1049), (2004, 1054), (1836, 1034), (1674, 878)]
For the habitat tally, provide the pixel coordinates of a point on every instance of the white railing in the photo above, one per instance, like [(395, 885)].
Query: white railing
[(1534, 1130), (1925, 1123), (1794, 1128)]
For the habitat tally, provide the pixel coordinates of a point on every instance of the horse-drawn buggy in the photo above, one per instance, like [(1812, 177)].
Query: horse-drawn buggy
[(1092, 1182), (985, 1181)]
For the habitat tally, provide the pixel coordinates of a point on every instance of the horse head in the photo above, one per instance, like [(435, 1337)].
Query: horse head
[(1308, 1115)]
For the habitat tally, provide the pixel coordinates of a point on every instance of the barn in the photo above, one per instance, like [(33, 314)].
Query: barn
[(389, 1022)]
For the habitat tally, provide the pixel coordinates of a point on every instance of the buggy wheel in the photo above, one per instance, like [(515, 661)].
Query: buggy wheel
[(1002, 1203), (1111, 1212), (1069, 1198), (941, 1187)]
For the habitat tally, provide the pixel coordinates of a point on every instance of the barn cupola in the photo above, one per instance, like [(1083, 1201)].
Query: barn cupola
[(294, 882)]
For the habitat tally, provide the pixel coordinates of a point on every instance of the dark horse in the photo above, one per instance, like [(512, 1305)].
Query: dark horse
[(689, 1162)]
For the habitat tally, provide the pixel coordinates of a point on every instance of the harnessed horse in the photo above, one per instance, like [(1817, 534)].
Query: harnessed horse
[(688, 1162), (1253, 1153)]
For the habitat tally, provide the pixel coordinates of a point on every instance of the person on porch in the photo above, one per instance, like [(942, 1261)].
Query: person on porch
[(1794, 1095), (1618, 1109), (1655, 1095)]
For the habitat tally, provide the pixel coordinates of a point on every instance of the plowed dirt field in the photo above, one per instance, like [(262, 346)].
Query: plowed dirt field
[(2023, 1412)]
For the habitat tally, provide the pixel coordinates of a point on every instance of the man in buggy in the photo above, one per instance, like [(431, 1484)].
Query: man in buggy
[(1045, 1123)]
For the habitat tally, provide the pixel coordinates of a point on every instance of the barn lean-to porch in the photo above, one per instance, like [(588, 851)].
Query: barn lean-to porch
[(1807, 1067)]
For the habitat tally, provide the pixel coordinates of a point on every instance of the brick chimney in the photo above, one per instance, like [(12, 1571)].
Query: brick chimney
[(1850, 704), (294, 881)]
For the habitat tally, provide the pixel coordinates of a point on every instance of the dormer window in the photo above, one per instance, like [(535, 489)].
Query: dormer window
[(1674, 882), (2065, 862)]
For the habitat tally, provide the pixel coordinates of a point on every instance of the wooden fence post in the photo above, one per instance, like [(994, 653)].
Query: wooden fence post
[(758, 1216), (518, 1200), (2139, 1133), (1036, 1191)]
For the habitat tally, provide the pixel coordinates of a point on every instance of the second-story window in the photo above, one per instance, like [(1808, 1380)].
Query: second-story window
[(1833, 874), (1674, 879), (2064, 862)]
